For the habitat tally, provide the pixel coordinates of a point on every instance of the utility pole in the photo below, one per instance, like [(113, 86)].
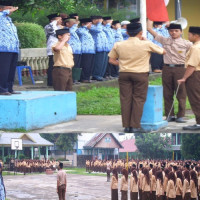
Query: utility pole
[(143, 16), (178, 9)]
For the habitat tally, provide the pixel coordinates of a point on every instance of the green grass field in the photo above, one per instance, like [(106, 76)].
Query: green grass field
[(105, 100)]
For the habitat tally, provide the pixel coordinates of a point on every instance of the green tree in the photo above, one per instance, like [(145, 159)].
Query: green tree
[(190, 147), (153, 146), (65, 142)]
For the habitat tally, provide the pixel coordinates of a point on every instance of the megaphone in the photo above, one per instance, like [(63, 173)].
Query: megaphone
[(182, 21)]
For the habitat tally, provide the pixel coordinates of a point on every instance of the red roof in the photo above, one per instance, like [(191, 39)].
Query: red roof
[(129, 146)]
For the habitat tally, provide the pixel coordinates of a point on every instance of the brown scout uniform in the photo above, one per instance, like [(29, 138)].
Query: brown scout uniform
[(193, 82), (173, 70), (133, 55)]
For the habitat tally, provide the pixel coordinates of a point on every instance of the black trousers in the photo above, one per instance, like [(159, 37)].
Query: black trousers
[(77, 60), (8, 63), (49, 71), (156, 61), (87, 62)]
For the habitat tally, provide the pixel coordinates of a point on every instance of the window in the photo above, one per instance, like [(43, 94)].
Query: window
[(107, 140)]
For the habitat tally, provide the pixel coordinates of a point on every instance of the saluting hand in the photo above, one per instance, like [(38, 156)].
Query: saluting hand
[(13, 9)]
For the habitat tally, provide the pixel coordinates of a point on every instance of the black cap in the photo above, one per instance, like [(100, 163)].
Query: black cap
[(68, 19), (175, 167), (134, 27), (135, 20), (51, 16), (73, 14), (96, 17), (107, 18), (115, 22), (133, 165), (174, 26), (141, 165), (85, 20), (7, 3), (194, 29), (62, 31)]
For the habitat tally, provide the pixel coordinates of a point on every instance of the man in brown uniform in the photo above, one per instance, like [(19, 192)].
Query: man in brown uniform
[(191, 77), (61, 182), (133, 57), (174, 62)]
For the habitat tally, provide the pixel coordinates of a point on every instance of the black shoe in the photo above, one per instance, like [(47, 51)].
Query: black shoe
[(126, 130), (136, 130), (171, 119), (13, 92), (6, 93), (180, 120), (192, 128)]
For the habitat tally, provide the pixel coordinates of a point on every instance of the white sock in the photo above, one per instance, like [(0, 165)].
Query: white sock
[(198, 124)]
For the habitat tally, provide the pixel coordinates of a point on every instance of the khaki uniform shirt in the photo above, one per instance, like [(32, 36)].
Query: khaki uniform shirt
[(114, 183), (61, 177), (133, 185), (171, 191), (193, 189), (153, 183), (186, 187), (124, 184), (176, 49), (145, 185), (159, 188), (193, 57), (179, 187), (134, 54), (64, 57)]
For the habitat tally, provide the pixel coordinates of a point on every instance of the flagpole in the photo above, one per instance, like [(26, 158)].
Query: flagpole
[(143, 16)]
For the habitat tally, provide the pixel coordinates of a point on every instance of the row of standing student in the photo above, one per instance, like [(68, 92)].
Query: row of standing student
[(156, 185)]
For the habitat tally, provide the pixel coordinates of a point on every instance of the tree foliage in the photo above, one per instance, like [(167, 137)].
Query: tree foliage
[(153, 146), (190, 148)]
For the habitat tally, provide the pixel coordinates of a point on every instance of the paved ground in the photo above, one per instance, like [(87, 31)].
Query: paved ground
[(104, 124), (43, 187)]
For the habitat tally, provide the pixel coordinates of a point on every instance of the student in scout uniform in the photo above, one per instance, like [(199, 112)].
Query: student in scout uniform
[(171, 187), (179, 185), (174, 61), (132, 56), (156, 59), (74, 41), (193, 185), (9, 48), (63, 62), (191, 77), (124, 185), (153, 184), (50, 31), (159, 186), (114, 185), (146, 185), (134, 185), (186, 186), (124, 29), (101, 46), (87, 49)]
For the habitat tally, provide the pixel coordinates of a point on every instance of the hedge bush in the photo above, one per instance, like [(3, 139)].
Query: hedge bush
[(31, 35)]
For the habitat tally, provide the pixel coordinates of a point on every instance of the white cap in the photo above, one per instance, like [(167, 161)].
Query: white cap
[(125, 23)]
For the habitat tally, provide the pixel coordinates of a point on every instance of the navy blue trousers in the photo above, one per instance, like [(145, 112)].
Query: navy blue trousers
[(8, 63), (100, 64), (87, 62)]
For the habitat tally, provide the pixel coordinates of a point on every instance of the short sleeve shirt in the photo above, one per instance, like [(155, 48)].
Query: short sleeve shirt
[(61, 177), (193, 57)]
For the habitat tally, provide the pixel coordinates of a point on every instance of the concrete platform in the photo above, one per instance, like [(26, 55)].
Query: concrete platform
[(37, 109), (105, 124)]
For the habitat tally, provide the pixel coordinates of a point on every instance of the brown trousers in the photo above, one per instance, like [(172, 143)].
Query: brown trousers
[(153, 195), (133, 91), (179, 197), (61, 192), (170, 75), (62, 79), (193, 91), (114, 194), (140, 194), (145, 195), (159, 198), (187, 196), (124, 195), (134, 195)]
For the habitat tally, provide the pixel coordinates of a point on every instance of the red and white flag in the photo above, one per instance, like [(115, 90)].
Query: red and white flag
[(157, 11)]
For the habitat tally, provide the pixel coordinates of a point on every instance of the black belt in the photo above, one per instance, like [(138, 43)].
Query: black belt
[(55, 67), (173, 65)]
